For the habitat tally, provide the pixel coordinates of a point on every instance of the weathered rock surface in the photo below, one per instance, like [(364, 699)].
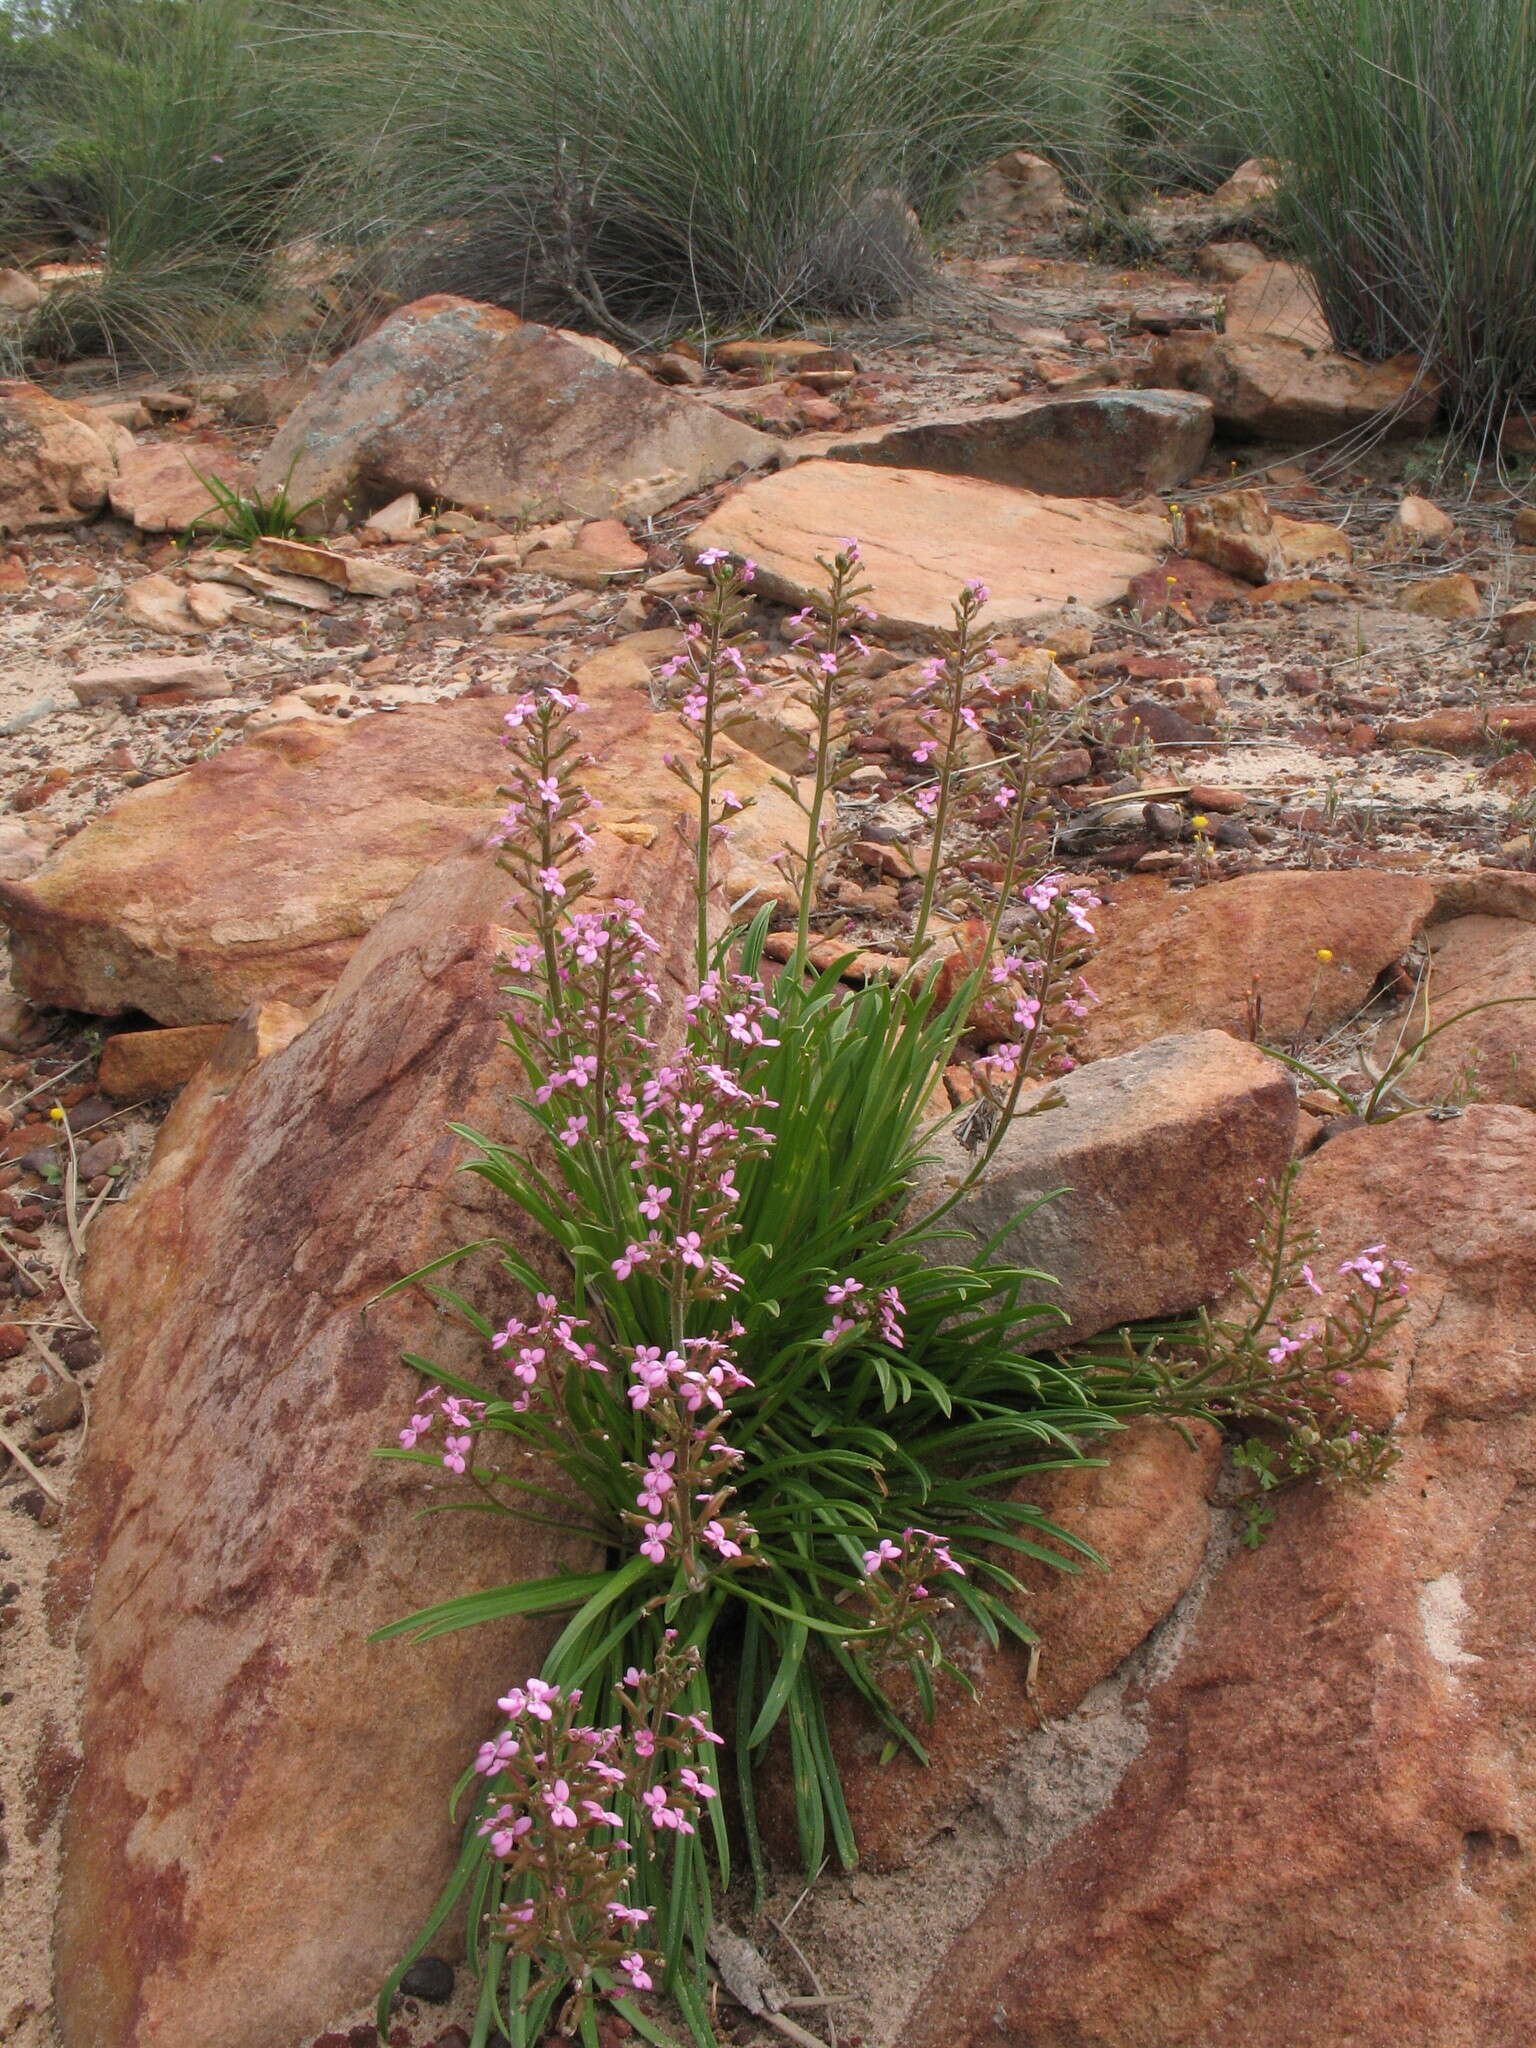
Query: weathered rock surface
[(1098, 444), (1236, 531), (1276, 302), (1489, 1057), (251, 1843), (55, 469), (1281, 391), (1255, 178), (1326, 1836), (136, 1065), (1465, 729), (1020, 189), (1449, 596), (1144, 1511), (924, 536), (1131, 1137), (464, 404), (252, 877), (1197, 961), (124, 682), (159, 485)]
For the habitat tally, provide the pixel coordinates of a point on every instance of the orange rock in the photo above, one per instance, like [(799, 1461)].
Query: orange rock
[(158, 488), (1238, 532), (1279, 390), (1468, 729), (54, 466), (254, 875), (1450, 597), (464, 404), (923, 536), (136, 1065), (1182, 962), (1132, 1141), (1490, 1057)]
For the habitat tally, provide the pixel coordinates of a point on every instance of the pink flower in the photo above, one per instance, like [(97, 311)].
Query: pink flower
[(660, 1815), (561, 1813), (655, 1544), (885, 1552), (633, 1966), (495, 1755), (456, 1452), (550, 882), (714, 1533), (696, 1785), (1368, 1264)]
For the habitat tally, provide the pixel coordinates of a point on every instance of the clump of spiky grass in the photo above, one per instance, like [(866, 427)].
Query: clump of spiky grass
[(703, 160), (1408, 133), (158, 133)]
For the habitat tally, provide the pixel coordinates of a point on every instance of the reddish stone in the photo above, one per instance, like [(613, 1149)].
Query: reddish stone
[(1196, 960), (1325, 1836)]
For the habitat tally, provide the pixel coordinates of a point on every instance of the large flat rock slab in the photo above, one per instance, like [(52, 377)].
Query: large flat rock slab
[(923, 536), (465, 404), (1097, 444), (253, 877)]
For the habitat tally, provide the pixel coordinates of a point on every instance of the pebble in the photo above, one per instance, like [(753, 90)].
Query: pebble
[(429, 1978), (57, 1411)]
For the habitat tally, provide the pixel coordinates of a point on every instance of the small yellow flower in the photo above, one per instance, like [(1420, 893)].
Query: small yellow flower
[(57, 1114), (1199, 821), (1325, 954)]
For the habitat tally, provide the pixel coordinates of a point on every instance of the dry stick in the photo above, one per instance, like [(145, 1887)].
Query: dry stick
[(52, 1081), (9, 1443), (34, 713), (817, 1986), (72, 1193)]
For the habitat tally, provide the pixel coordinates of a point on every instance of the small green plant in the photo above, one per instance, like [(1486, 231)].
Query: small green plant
[(1386, 1096), (1280, 1359), (245, 517)]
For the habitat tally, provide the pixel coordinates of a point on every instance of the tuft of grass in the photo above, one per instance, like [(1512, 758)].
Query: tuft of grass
[(1408, 133), (694, 161), (154, 135)]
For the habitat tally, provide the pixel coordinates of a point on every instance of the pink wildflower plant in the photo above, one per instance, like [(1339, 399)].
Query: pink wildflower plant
[(572, 1814)]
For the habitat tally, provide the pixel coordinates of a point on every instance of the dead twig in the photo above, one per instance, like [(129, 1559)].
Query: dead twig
[(9, 1443)]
